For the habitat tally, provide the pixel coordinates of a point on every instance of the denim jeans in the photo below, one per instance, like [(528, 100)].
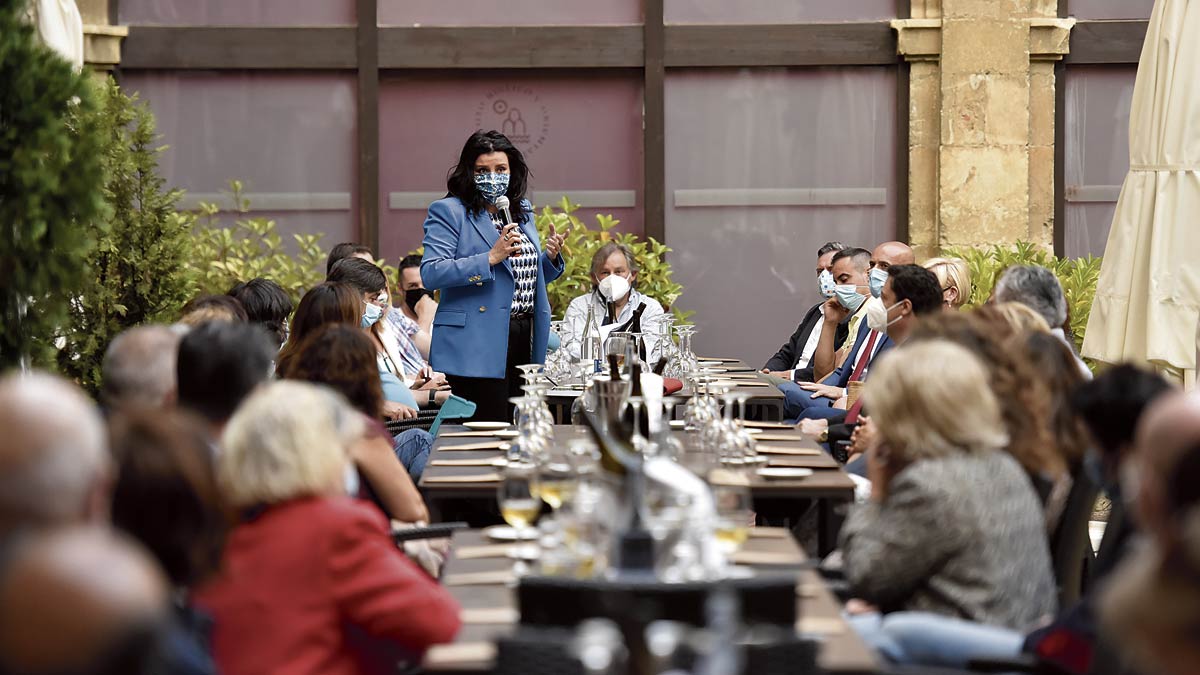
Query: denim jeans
[(412, 449), (919, 638)]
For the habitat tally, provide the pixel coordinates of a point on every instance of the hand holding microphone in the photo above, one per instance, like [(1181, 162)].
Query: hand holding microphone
[(509, 243)]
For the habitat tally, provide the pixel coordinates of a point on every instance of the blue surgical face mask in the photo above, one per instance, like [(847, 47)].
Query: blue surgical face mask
[(371, 314), (826, 284), (849, 297), (876, 279), (491, 185)]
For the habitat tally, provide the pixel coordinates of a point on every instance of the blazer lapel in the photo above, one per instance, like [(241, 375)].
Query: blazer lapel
[(487, 229)]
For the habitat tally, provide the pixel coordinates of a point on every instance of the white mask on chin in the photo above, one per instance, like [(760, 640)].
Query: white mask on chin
[(614, 287)]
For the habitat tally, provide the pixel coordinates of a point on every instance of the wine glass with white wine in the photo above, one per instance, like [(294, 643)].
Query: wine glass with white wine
[(520, 503)]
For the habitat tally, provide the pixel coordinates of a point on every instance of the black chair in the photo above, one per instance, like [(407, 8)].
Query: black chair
[(548, 601), (1071, 543), (434, 531), (424, 421), (537, 651)]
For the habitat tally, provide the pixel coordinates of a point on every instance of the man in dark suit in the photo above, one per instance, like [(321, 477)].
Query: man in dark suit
[(793, 361)]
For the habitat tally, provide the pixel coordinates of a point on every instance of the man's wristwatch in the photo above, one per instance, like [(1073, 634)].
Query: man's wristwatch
[(824, 437), (432, 396)]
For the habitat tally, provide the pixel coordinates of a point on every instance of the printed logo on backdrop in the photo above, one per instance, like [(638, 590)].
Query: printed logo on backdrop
[(516, 112)]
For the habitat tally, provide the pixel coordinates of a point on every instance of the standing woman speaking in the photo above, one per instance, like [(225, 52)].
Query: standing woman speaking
[(494, 313)]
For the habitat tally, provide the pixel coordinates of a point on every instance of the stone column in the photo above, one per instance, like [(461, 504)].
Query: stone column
[(981, 120), (101, 40)]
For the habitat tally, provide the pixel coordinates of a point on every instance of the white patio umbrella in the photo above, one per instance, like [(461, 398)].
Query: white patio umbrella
[(1148, 298)]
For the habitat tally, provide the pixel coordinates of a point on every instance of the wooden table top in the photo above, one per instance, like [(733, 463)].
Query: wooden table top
[(490, 609), (828, 480)]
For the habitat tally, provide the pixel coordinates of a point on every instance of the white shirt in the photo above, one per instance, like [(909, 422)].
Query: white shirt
[(814, 337), (576, 318), (1062, 335)]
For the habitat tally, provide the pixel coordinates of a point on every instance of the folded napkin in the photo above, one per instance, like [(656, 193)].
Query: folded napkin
[(821, 625), (774, 436), (468, 434), (782, 450), (671, 385), (490, 615), (491, 477), (769, 533), (488, 578), (470, 461), (766, 558), (727, 477), (460, 652), (482, 551), (813, 462), (485, 445), (768, 425)]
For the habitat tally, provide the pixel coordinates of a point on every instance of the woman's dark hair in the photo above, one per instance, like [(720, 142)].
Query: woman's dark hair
[(266, 303), (328, 302), (166, 494), (1055, 364), (345, 250), (343, 358), (364, 276), (460, 182)]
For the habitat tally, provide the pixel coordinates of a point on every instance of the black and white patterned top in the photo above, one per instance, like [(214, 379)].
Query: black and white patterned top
[(524, 267)]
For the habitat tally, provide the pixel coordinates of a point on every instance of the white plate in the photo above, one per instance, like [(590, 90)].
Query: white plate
[(490, 426), (783, 472), (524, 552), (678, 424), (709, 364), (507, 433), (752, 432), (710, 370), (506, 533)]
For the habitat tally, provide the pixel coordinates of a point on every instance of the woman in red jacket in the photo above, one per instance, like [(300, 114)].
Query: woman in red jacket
[(310, 576)]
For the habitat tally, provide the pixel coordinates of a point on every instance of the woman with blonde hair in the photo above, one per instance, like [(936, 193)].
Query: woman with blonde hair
[(954, 276), (311, 580), (953, 527)]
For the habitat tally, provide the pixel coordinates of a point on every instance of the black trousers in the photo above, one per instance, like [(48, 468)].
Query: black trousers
[(491, 395)]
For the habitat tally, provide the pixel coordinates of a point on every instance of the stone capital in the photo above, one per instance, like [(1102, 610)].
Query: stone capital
[(102, 45), (1049, 38), (918, 39)]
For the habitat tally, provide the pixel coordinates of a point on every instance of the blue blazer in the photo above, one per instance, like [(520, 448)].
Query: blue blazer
[(470, 335), (841, 376)]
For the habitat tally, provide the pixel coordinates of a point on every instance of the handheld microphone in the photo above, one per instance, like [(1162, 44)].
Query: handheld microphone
[(502, 208)]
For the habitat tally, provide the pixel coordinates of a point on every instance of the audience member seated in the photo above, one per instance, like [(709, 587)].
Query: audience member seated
[(331, 302), (613, 304), (54, 461), (219, 364), (311, 581), (139, 368), (1152, 607), (418, 303), (849, 303), (341, 357), (953, 526), (266, 304), (81, 600), (883, 258), (954, 276), (412, 334), (166, 497), (1022, 392), (1110, 407), (1038, 288), (213, 308), (909, 293), (1013, 319), (793, 360), (371, 284)]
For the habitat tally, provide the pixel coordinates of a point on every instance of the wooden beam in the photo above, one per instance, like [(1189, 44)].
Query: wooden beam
[(654, 125), (1060, 145), (1107, 42), (241, 48), (903, 116), (808, 44), (368, 124), (444, 47)]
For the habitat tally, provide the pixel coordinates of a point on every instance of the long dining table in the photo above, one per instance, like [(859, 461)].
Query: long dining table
[(460, 476), (479, 575)]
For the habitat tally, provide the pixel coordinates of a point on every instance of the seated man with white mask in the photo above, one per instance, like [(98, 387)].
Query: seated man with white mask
[(614, 305)]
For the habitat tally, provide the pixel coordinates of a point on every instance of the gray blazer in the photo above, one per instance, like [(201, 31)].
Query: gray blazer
[(962, 536)]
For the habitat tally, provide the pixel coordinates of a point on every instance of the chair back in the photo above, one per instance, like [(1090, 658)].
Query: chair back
[(537, 651), (1071, 543)]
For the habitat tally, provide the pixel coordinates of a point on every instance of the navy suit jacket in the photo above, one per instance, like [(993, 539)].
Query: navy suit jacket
[(470, 334), (841, 376)]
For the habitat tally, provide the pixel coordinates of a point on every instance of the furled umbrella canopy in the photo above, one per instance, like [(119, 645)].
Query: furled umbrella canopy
[(1148, 297)]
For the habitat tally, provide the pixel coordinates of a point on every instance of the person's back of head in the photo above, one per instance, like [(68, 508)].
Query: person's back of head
[(1055, 365), (265, 303), (363, 276), (166, 493), (289, 440), (139, 368), (954, 276), (219, 364), (918, 286), (1011, 320), (1037, 287), (81, 601), (341, 357), (346, 249), (212, 308), (54, 462), (892, 253), (1111, 405), (327, 302)]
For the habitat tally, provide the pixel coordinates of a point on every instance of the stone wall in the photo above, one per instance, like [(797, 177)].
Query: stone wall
[(981, 120)]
